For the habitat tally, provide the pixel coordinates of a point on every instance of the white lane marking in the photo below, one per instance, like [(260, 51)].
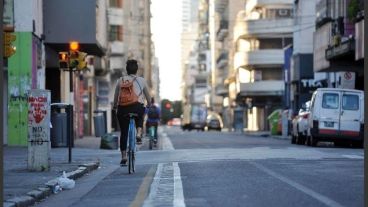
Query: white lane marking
[(327, 201), (353, 156), (178, 187), (166, 142), (166, 188)]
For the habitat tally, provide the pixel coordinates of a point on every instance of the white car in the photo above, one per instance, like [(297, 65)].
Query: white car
[(336, 115), (300, 125)]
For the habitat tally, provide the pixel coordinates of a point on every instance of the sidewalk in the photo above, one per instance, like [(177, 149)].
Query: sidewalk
[(24, 188)]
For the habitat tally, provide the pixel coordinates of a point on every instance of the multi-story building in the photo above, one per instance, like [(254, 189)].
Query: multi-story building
[(335, 41), (188, 37), (201, 88), (218, 28), (303, 80), (261, 32), (129, 38)]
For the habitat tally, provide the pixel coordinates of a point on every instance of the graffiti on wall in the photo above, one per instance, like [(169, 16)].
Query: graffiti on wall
[(38, 117)]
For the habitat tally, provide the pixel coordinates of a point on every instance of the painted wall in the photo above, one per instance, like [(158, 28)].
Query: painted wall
[(19, 82)]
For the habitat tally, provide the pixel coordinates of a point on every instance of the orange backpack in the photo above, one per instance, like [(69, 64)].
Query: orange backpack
[(127, 96)]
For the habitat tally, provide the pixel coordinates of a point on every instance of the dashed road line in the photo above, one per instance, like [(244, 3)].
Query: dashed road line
[(323, 199), (353, 156), (166, 188)]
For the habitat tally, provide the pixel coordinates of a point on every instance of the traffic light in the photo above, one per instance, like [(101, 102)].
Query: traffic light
[(63, 60), (78, 60), (9, 49), (168, 105), (82, 64), (74, 46), (73, 59)]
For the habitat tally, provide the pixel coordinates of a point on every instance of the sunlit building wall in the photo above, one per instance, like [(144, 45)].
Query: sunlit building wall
[(262, 31)]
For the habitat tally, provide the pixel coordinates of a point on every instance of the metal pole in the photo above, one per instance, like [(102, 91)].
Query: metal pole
[(365, 112), (71, 125), (2, 118)]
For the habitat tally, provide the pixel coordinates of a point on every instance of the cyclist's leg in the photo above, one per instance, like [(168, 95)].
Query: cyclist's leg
[(156, 126), (139, 121), (124, 124)]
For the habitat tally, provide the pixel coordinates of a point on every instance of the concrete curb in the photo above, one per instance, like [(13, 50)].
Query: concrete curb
[(268, 135), (41, 193)]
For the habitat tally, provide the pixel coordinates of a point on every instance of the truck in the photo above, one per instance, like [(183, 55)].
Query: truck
[(194, 117)]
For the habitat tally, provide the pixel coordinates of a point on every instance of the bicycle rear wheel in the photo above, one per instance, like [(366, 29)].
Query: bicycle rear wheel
[(130, 161), (133, 161), (150, 143)]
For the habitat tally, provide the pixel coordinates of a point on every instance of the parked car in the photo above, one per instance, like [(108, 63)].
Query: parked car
[(214, 121), (300, 125), (194, 117), (336, 115)]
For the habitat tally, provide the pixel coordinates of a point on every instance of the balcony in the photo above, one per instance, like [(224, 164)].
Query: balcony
[(222, 60), (221, 6), (251, 4), (263, 28), (259, 58), (221, 90), (82, 21), (223, 30), (344, 49), (262, 88)]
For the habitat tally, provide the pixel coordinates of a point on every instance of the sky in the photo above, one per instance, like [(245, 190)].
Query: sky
[(166, 30)]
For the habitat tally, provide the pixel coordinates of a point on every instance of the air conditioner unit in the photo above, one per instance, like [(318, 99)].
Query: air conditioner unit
[(283, 12)]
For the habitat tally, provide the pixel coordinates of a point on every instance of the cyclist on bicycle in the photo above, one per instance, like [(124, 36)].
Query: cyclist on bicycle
[(129, 95), (153, 117)]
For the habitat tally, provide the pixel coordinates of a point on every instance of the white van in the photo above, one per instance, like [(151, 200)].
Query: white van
[(336, 115)]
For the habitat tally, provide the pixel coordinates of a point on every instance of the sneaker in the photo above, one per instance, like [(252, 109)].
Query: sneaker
[(123, 163), (139, 140)]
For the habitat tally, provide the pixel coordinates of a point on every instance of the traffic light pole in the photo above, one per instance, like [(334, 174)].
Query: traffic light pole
[(2, 118), (71, 114)]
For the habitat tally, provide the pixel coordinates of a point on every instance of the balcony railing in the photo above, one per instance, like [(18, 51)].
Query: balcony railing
[(262, 88), (263, 27), (251, 4), (344, 48), (259, 58)]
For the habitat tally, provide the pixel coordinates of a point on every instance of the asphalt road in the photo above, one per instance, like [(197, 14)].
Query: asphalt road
[(223, 169)]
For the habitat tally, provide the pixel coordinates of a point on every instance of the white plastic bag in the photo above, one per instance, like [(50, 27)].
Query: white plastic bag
[(66, 183)]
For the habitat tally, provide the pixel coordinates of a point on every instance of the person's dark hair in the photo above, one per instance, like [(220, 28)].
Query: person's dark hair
[(132, 67)]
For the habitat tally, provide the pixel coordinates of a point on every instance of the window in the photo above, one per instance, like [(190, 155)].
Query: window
[(350, 102), (116, 33), (330, 101), (116, 3)]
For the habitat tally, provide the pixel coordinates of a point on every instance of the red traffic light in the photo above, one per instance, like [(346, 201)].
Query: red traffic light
[(168, 105)]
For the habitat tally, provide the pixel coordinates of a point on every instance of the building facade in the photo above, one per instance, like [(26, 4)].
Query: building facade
[(335, 41), (261, 32)]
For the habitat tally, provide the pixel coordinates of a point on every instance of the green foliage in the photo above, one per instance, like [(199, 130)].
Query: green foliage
[(353, 9)]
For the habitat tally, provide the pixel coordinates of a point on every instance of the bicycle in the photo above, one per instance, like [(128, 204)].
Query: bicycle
[(132, 133)]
